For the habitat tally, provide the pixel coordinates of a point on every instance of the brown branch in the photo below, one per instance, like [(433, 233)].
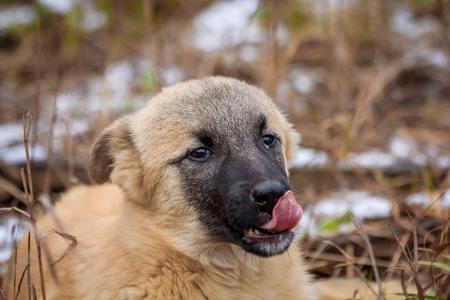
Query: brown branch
[(361, 230), (27, 119), (48, 170), (10, 188)]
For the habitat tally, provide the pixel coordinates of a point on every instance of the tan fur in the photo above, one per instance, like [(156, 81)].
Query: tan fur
[(147, 242)]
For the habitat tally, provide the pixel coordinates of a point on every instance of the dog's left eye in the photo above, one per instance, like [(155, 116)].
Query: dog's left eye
[(268, 140), (200, 154)]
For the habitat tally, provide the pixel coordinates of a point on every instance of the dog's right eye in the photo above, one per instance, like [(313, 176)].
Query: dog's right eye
[(200, 154)]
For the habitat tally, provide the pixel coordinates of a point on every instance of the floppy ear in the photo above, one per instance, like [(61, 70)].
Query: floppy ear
[(111, 141), (114, 158)]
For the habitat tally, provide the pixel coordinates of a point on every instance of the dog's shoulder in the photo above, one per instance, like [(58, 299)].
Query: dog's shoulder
[(98, 200)]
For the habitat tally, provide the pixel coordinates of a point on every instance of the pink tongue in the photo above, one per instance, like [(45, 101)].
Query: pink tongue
[(285, 215)]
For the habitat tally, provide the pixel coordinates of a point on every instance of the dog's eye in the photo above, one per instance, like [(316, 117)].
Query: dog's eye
[(268, 140), (200, 154)]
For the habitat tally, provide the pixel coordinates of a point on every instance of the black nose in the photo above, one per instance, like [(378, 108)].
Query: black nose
[(267, 193)]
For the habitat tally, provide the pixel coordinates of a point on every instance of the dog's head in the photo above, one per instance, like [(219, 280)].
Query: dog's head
[(213, 152)]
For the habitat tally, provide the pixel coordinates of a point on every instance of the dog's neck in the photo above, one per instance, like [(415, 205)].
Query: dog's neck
[(153, 244)]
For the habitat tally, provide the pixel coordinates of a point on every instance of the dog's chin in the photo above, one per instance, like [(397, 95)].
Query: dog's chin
[(261, 243)]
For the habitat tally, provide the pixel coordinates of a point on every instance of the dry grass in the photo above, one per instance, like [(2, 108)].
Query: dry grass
[(367, 91), (419, 248)]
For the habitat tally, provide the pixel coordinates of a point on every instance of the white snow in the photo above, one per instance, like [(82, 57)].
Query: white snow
[(249, 53), (407, 149), (419, 199), (22, 14), (361, 204), (309, 158), (331, 207), (404, 22), (118, 77), (436, 57), (374, 159), (12, 149), (425, 55), (92, 18), (302, 80), (58, 6), (443, 162), (445, 201), (76, 126), (172, 75), (11, 232), (370, 207), (113, 90), (307, 225), (403, 151), (426, 199), (400, 146), (15, 155), (226, 24), (282, 35), (10, 134), (327, 6)]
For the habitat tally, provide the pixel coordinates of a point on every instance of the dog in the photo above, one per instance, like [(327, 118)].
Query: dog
[(193, 203)]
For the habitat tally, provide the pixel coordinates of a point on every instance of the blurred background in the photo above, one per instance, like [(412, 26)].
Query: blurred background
[(365, 82)]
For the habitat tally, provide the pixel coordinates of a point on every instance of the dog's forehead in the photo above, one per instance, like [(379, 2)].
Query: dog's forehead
[(217, 103), (221, 108)]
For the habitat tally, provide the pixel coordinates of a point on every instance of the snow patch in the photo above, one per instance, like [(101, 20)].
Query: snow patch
[(361, 204), (303, 82), (11, 231), (10, 134), (93, 19), (15, 155), (404, 22), (443, 162), (226, 24), (404, 154), (426, 199), (446, 199), (22, 14), (172, 75), (249, 53), (400, 146), (419, 199), (309, 158), (58, 6), (112, 90), (426, 55), (374, 159)]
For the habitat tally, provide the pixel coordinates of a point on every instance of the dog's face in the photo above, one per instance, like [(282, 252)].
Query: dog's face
[(214, 151)]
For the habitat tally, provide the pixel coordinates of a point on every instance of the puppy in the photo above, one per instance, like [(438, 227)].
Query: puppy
[(199, 207)]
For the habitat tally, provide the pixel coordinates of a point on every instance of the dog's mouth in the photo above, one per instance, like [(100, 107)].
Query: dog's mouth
[(261, 236), (257, 233), (285, 216), (274, 236)]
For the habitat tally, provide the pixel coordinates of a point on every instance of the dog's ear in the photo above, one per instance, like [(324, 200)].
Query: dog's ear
[(114, 158), (111, 141)]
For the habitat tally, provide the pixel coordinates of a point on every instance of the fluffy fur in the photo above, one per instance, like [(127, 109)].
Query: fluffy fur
[(140, 238)]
